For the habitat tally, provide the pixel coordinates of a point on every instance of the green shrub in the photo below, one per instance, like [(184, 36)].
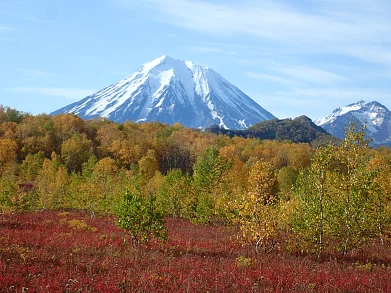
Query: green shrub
[(138, 215)]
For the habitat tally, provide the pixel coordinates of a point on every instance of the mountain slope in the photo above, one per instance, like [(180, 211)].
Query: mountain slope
[(375, 115), (298, 130), (169, 90)]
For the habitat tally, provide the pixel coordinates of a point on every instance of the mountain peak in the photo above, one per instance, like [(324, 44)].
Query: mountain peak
[(158, 61), (376, 116), (303, 118), (359, 103), (170, 90), (340, 112)]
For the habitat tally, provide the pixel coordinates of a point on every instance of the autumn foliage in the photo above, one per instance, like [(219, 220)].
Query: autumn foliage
[(70, 252), (260, 200)]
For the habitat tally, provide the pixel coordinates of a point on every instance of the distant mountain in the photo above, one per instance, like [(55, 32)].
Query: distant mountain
[(298, 130), (169, 91), (375, 115)]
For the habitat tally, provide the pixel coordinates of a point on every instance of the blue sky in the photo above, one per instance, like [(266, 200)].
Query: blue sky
[(293, 57)]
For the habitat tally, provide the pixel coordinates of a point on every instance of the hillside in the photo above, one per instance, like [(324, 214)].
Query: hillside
[(297, 130)]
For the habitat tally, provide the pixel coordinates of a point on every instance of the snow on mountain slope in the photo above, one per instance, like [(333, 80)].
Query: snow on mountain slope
[(169, 90), (375, 115)]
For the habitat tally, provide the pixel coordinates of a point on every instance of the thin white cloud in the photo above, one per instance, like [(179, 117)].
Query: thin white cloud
[(271, 78), (348, 94), (4, 28), (319, 27), (37, 73), (173, 36), (298, 76), (66, 93), (371, 53), (212, 50), (313, 75)]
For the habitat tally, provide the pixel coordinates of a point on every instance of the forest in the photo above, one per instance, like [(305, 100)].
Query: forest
[(328, 200)]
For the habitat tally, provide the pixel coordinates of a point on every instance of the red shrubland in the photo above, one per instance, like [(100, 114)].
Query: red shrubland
[(70, 252)]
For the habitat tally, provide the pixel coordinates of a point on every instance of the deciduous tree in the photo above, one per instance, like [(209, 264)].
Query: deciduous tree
[(139, 216), (257, 209)]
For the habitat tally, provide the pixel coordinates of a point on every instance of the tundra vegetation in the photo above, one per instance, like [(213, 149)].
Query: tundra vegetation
[(104, 207)]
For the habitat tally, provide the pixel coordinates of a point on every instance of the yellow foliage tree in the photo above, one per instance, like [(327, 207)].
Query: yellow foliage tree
[(8, 151), (148, 165), (381, 194), (76, 151), (52, 184), (105, 180), (257, 213)]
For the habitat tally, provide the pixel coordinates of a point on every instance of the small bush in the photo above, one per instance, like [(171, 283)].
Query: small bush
[(139, 216), (243, 262)]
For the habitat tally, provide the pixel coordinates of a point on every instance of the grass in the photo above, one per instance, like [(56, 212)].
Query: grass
[(69, 252)]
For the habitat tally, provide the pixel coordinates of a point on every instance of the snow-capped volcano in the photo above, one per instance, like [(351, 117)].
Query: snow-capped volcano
[(375, 115), (169, 90)]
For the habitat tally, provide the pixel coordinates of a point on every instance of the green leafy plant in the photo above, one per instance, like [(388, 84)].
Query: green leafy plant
[(138, 215)]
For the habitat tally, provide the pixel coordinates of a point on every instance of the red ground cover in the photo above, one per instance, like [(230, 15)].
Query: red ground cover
[(69, 252)]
